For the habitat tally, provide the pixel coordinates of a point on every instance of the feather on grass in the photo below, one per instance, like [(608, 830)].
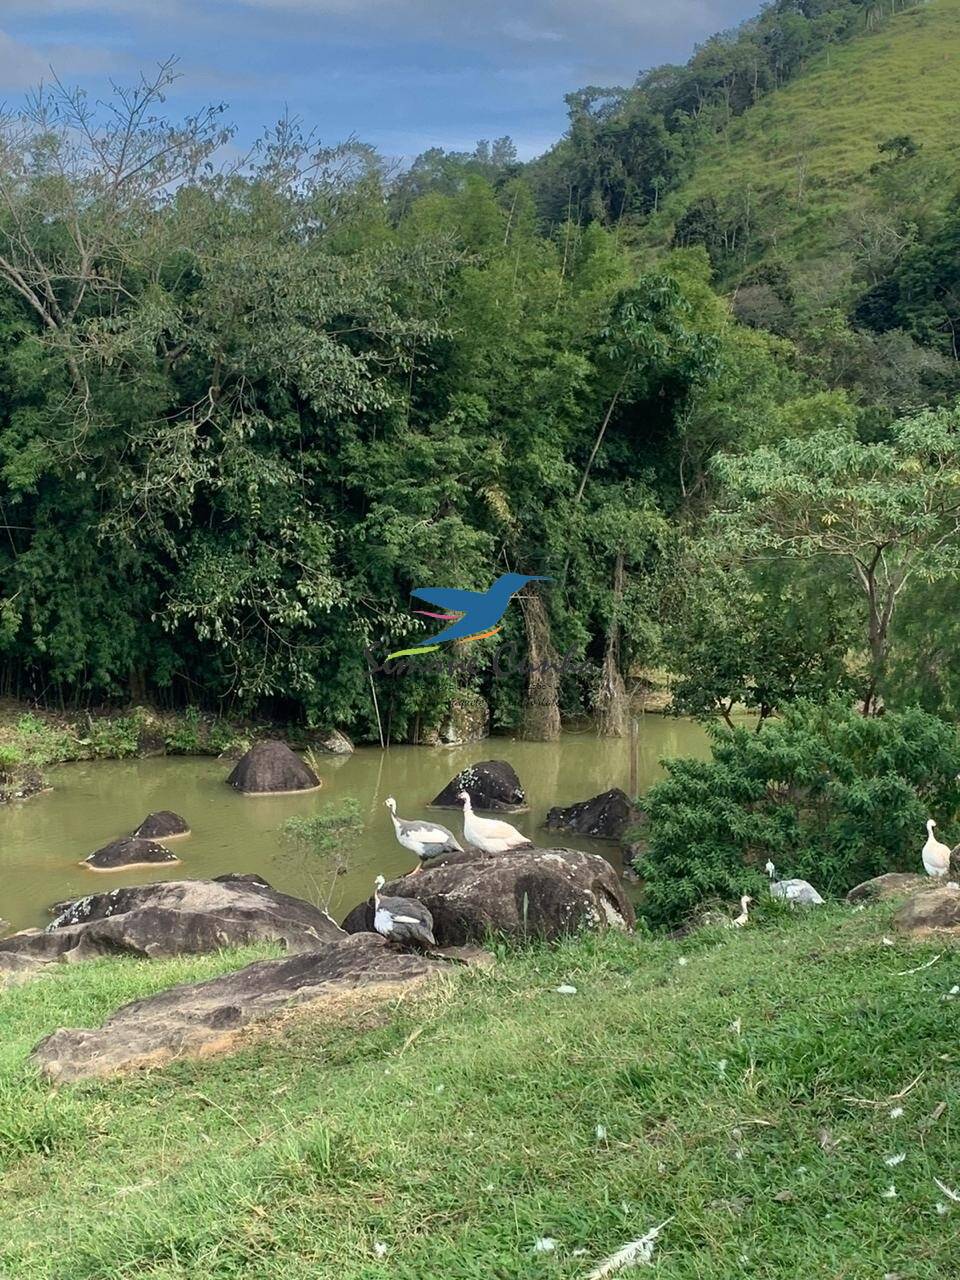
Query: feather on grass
[(638, 1253)]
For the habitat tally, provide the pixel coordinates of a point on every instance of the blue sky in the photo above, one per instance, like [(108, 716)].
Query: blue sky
[(402, 74)]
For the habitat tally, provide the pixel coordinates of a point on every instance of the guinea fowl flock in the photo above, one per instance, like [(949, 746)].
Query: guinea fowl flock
[(407, 920)]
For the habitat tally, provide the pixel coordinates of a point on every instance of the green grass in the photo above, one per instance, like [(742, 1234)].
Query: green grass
[(900, 79), (460, 1125)]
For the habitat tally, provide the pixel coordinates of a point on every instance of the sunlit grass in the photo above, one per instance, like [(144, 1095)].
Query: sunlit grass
[(459, 1126), (900, 79)]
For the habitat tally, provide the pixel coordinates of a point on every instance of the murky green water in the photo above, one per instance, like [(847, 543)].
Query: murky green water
[(42, 840)]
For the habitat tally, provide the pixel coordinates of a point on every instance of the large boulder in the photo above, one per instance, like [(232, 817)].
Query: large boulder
[(491, 784), (162, 825), (16, 968), (206, 1017), (603, 817), (129, 851), (934, 911), (542, 893), (895, 884), (179, 917), (270, 769)]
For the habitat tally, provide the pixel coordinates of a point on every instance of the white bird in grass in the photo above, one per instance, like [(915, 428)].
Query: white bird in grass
[(742, 918), (935, 854), (402, 919), (425, 839), (799, 893), (489, 834)]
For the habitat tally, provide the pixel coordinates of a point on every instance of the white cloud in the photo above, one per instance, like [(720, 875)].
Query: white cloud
[(20, 66)]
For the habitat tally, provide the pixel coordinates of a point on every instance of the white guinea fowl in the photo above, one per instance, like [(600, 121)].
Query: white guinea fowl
[(425, 839), (404, 920), (935, 854), (489, 834), (799, 893)]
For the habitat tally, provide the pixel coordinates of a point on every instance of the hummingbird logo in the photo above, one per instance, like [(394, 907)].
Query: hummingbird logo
[(473, 615)]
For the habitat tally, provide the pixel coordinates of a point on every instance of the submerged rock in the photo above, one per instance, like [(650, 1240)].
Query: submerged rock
[(176, 917), (129, 851), (205, 1017), (271, 768), (162, 825), (931, 911), (541, 893), (603, 817), (491, 784)]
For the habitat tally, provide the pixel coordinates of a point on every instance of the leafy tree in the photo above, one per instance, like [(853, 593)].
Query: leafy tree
[(762, 638), (827, 794), (889, 512)]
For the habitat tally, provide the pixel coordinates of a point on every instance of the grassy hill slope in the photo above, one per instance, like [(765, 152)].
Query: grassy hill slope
[(805, 150), (758, 1088)]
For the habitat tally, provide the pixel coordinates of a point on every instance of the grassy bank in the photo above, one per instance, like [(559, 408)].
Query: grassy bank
[(43, 738), (746, 1084)]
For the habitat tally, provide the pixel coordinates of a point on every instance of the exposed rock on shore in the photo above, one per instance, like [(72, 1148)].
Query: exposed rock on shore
[(179, 917), (537, 893), (206, 1017)]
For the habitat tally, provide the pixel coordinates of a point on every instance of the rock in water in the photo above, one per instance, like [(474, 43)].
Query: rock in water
[(205, 1017), (492, 785), (130, 851), (162, 825), (177, 917), (934, 911), (541, 893), (336, 743), (271, 768), (603, 817)]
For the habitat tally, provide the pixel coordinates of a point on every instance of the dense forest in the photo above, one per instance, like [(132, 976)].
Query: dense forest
[(248, 407)]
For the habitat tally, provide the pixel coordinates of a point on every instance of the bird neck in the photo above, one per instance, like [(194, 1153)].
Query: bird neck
[(930, 825)]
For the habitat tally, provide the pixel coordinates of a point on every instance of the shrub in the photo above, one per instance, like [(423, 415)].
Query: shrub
[(185, 738), (324, 839), (828, 794), (115, 737), (44, 743)]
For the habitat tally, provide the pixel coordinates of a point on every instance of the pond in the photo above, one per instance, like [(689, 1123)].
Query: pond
[(43, 839)]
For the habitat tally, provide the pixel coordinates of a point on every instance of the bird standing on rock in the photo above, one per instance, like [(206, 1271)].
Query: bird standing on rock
[(425, 839), (799, 893), (935, 854), (403, 920), (489, 834)]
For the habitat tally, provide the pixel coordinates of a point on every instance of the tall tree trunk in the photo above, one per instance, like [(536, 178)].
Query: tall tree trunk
[(612, 709), (541, 708)]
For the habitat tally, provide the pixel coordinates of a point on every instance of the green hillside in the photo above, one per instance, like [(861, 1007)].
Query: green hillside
[(801, 156)]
